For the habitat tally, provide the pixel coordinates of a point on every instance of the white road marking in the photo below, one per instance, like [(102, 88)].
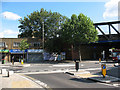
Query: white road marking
[(4, 66), (63, 65), (107, 84), (92, 69)]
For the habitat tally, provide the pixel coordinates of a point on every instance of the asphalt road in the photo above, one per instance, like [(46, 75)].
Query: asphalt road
[(62, 80), (43, 67)]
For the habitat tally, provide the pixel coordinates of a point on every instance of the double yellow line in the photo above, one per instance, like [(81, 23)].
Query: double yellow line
[(48, 88)]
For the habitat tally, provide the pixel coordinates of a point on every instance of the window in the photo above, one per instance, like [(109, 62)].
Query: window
[(2, 44), (16, 44), (35, 44)]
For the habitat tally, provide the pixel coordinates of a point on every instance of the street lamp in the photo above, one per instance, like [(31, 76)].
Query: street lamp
[(43, 38)]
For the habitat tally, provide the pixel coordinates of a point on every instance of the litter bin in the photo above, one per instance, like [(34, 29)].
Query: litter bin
[(76, 66)]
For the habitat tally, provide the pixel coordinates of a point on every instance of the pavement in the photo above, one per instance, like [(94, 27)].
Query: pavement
[(93, 76), (17, 81)]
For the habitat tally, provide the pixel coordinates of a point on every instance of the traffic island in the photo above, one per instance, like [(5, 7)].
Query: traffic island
[(78, 73), (106, 79)]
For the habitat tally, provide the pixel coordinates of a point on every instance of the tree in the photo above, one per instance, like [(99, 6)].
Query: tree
[(55, 45), (23, 46), (78, 30), (33, 23)]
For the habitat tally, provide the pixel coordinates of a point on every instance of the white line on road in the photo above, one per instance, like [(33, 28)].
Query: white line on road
[(108, 84), (92, 69), (63, 65)]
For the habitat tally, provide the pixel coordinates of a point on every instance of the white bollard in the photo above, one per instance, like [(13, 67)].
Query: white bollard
[(10, 73), (4, 71), (0, 71)]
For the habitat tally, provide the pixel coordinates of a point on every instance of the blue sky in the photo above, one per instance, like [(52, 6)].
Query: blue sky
[(12, 11)]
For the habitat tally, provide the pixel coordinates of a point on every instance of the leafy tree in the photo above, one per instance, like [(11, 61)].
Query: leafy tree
[(78, 30), (23, 45), (55, 45), (32, 24)]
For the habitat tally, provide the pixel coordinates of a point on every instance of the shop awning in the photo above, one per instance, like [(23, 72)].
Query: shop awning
[(16, 51), (35, 50), (4, 50)]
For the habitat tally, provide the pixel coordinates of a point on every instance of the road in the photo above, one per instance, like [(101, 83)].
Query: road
[(43, 67), (62, 80)]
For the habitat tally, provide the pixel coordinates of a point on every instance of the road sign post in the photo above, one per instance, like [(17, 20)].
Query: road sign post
[(103, 66)]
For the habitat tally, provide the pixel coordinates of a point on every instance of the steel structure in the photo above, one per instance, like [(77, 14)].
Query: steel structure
[(110, 24)]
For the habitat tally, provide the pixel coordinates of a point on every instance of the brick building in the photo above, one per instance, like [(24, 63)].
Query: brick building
[(10, 47)]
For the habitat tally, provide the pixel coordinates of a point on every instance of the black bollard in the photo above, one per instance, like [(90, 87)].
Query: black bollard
[(76, 66)]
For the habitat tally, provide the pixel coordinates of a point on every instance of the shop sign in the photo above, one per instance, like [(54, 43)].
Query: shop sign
[(35, 50), (17, 51), (4, 50)]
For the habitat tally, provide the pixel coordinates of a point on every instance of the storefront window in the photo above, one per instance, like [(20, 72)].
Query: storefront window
[(2, 44), (35, 44), (16, 44)]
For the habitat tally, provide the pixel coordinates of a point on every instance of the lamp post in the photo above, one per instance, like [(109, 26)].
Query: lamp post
[(43, 38)]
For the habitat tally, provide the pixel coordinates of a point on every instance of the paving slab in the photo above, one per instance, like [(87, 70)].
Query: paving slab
[(17, 81)]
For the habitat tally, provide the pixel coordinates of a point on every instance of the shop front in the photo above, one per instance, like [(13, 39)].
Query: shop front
[(34, 55), (18, 54), (4, 55)]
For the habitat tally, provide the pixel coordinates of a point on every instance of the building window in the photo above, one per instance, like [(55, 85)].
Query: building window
[(16, 44), (2, 44), (35, 44)]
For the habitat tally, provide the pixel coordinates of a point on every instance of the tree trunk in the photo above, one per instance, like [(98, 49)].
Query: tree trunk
[(80, 53)]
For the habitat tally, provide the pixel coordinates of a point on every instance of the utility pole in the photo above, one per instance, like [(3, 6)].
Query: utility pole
[(43, 38), (43, 34)]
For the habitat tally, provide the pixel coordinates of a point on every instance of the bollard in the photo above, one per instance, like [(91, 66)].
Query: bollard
[(103, 66), (12, 62), (99, 59), (1, 71), (2, 61), (10, 73), (4, 71), (22, 62), (76, 66)]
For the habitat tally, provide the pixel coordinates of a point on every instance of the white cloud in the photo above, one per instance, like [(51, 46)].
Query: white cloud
[(8, 33), (111, 9), (10, 15), (1, 34)]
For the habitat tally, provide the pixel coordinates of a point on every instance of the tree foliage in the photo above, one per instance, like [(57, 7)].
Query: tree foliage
[(23, 45), (32, 24), (79, 30)]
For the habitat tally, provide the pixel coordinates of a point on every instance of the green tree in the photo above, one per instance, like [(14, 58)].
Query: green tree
[(78, 30), (23, 46), (55, 45), (32, 24)]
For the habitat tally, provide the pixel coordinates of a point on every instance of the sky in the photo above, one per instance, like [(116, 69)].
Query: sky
[(11, 11)]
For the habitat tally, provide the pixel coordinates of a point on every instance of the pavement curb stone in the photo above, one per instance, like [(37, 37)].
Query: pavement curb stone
[(36, 81), (107, 79), (97, 78)]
